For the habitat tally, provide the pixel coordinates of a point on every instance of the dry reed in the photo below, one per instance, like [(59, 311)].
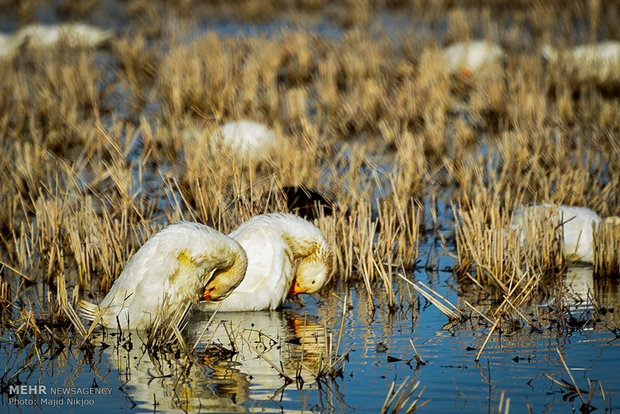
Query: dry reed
[(100, 149)]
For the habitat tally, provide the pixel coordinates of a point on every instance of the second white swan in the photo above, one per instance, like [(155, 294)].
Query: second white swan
[(273, 242)]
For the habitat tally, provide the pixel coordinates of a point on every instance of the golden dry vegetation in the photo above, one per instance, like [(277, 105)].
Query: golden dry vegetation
[(101, 148)]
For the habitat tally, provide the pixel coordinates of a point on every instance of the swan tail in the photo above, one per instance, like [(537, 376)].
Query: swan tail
[(88, 310)]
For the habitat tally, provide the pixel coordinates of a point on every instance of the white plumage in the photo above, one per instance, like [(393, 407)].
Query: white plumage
[(167, 273), (249, 140), (468, 58), (578, 239), (75, 34), (37, 36), (599, 62), (273, 242)]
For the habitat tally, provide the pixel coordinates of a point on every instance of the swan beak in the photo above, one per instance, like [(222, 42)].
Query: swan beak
[(294, 290), (466, 75), (206, 294)]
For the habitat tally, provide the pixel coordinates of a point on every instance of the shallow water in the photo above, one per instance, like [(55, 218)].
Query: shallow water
[(511, 366), (123, 376)]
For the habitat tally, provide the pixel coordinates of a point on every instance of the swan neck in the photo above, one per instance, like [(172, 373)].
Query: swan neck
[(318, 253), (234, 263), (239, 264)]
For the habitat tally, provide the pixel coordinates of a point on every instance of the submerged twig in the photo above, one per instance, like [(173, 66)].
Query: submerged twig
[(570, 376), (451, 314), (206, 326), (419, 360), (484, 344), (262, 355), (75, 320)]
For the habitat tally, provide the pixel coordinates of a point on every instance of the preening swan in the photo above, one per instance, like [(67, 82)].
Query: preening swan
[(599, 62), (577, 227), (468, 58), (273, 242), (248, 139), (168, 272)]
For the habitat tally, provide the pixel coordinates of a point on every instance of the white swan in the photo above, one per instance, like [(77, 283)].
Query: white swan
[(577, 227), (247, 139), (74, 34), (468, 58), (273, 242), (168, 272), (597, 62), (38, 36)]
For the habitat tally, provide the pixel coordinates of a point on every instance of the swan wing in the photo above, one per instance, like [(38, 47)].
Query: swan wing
[(169, 263), (148, 271)]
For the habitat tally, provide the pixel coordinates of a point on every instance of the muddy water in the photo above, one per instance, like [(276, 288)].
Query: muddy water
[(236, 373)]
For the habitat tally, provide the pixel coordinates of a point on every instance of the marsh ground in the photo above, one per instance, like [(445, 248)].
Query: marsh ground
[(100, 148)]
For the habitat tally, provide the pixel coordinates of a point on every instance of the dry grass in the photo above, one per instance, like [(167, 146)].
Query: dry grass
[(396, 401), (607, 248), (95, 154)]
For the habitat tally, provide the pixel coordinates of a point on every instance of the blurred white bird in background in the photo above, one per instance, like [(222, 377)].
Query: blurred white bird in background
[(468, 58), (38, 36), (598, 63), (577, 225), (248, 140)]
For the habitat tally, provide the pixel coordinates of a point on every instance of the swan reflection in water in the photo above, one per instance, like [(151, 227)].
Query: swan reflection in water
[(235, 373), (578, 284), (581, 286)]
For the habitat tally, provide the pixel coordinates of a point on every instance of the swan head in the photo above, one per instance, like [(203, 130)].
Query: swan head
[(224, 280), (313, 272), (220, 286)]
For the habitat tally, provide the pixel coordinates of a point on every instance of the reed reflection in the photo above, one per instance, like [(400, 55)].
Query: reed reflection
[(261, 340), (231, 369)]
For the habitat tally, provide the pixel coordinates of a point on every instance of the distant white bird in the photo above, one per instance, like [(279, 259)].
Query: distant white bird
[(577, 226), (599, 62), (273, 242), (75, 35), (38, 36), (247, 139), (170, 271), (468, 58)]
